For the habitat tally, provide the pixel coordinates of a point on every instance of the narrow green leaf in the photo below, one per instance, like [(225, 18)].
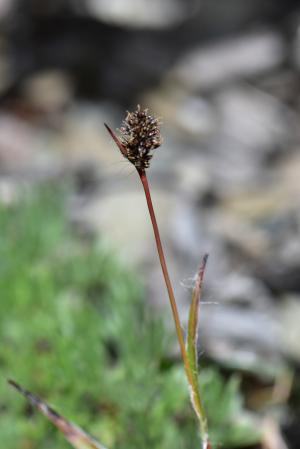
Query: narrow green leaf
[(77, 437), (192, 354), (192, 337)]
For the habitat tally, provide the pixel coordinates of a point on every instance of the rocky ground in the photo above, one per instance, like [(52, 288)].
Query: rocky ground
[(225, 80)]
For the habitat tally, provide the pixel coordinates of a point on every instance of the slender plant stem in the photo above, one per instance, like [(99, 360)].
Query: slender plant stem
[(162, 259), (188, 370), (190, 374), (164, 268)]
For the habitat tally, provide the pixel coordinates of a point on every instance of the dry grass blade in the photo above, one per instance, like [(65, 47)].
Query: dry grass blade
[(76, 437)]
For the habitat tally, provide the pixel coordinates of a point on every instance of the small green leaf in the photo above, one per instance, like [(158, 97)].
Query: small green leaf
[(192, 354), (194, 319), (77, 437)]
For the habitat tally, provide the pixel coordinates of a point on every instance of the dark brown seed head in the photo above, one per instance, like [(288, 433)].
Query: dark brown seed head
[(140, 135)]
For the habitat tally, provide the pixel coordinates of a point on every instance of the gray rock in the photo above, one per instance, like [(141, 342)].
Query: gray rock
[(23, 151), (258, 122), (138, 13), (244, 339), (245, 56), (252, 128), (280, 269), (289, 314), (48, 91)]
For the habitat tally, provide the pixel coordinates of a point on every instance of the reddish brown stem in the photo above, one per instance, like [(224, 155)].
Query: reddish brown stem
[(188, 369), (164, 268), (180, 336)]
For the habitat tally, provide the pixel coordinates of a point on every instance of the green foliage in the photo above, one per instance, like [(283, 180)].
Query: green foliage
[(230, 424), (75, 329)]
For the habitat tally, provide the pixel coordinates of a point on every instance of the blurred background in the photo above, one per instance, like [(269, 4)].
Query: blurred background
[(85, 320)]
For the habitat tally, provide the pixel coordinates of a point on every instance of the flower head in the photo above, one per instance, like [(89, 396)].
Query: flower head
[(139, 136)]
